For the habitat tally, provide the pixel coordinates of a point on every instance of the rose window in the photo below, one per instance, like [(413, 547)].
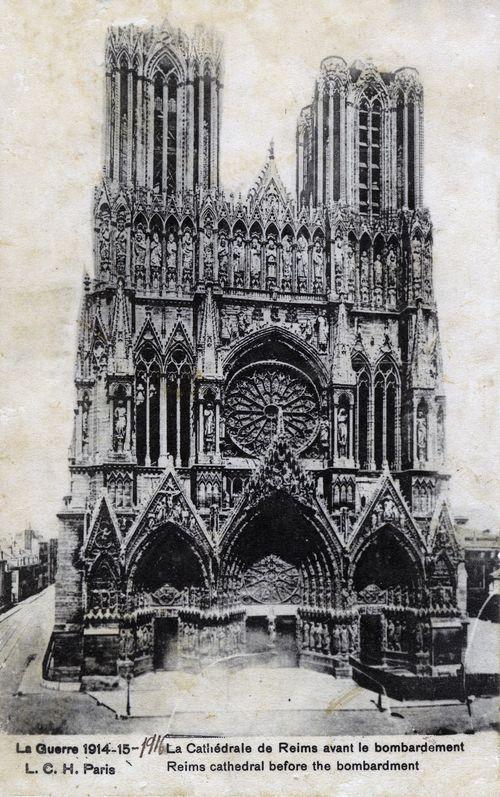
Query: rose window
[(271, 581), (262, 393)]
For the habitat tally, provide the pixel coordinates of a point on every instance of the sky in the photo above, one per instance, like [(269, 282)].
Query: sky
[(52, 82)]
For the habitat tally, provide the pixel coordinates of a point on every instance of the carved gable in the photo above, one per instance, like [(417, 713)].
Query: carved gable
[(442, 539), (104, 532), (168, 504), (386, 506)]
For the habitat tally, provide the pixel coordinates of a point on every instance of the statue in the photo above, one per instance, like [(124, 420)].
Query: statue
[(120, 244), (244, 323), (306, 329), (322, 331), (416, 261), (187, 254), (271, 256), (238, 258), (342, 419), (120, 417), (85, 422), (287, 262), (254, 262), (302, 258), (226, 330), (391, 267), (104, 237), (139, 252), (364, 277), (171, 253), (377, 271), (421, 434), (351, 268), (208, 415), (317, 259), (155, 258), (208, 251), (223, 257), (390, 634), (324, 435)]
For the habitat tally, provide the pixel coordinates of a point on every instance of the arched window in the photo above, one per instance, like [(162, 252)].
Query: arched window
[(369, 142), (147, 406), (207, 119), (102, 590), (411, 154), (158, 133), (362, 412), (172, 111), (385, 414), (123, 119), (179, 406)]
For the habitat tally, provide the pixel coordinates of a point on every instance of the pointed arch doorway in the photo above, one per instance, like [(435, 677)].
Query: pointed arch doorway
[(278, 561)]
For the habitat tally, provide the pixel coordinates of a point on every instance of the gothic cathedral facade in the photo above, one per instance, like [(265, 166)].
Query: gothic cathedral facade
[(257, 463)]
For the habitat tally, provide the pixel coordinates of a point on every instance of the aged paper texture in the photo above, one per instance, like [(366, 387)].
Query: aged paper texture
[(248, 398)]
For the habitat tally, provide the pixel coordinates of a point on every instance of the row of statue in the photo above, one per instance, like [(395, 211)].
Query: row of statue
[(373, 278), (235, 326), (328, 639), (223, 639)]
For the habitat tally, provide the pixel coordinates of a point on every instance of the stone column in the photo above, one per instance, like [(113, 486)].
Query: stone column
[(190, 130), (77, 434), (300, 163), (405, 154), (139, 149), (342, 139), (179, 161), (162, 461), (178, 422), (128, 439), (200, 429), (148, 455), (351, 428), (200, 112), (130, 123), (384, 426), (416, 145), (335, 441), (108, 166), (213, 132), (150, 115), (217, 428), (164, 164), (330, 177), (319, 145), (116, 139)]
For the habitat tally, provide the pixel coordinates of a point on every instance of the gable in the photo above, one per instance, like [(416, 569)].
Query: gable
[(168, 504), (386, 507), (104, 534)]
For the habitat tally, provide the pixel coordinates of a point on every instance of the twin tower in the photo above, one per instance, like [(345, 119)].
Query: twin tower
[(258, 447), (359, 142)]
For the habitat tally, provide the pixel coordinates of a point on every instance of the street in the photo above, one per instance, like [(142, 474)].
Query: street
[(298, 701)]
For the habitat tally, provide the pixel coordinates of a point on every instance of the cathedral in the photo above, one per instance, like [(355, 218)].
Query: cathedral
[(258, 454)]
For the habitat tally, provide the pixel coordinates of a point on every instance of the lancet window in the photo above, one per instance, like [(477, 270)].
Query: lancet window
[(369, 146), (178, 422), (407, 146), (386, 402), (363, 407), (147, 406), (165, 129)]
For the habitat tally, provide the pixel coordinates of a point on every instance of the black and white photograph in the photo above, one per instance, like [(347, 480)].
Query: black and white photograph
[(249, 279)]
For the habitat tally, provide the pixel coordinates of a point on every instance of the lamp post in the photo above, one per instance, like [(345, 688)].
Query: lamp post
[(128, 673)]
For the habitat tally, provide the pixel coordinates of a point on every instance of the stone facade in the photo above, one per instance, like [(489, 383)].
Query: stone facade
[(257, 463)]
